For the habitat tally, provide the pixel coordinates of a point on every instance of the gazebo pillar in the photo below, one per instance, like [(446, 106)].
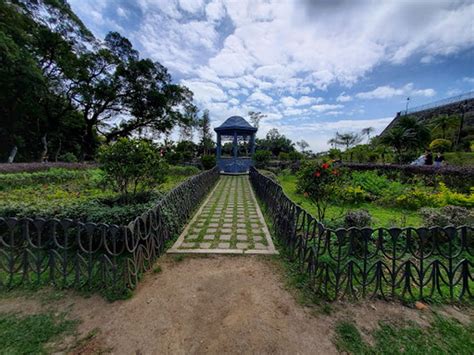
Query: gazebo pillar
[(252, 144), (219, 147), (234, 145)]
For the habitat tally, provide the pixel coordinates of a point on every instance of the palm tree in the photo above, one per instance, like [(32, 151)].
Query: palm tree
[(348, 139), (445, 122), (332, 142), (367, 131)]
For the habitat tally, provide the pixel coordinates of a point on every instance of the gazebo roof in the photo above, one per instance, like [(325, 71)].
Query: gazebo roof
[(236, 123)]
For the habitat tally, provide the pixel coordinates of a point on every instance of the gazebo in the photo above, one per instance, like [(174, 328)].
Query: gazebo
[(235, 145)]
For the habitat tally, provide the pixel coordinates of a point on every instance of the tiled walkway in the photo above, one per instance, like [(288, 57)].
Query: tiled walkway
[(229, 221)]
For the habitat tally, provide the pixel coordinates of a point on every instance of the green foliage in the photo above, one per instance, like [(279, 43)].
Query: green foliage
[(448, 215), (357, 218), (208, 161), (51, 176), (442, 336), (352, 194), (318, 182), (68, 158), (187, 170), (375, 184), (284, 156), (275, 142), (261, 158), (460, 158), (29, 334), (440, 145), (132, 164), (415, 198), (448, 197)]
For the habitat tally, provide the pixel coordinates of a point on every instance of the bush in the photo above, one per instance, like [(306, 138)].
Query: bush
[(448, 215), (283, 156), (261, 158), (440, 145), (132, 164), (353, 194), (415, 198), (448, 197), (187, 170), (318, 182), (68, 158), (357, 218), (208, 161)]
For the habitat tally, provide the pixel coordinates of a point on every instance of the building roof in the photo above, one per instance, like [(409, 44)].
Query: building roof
[(235, 123)]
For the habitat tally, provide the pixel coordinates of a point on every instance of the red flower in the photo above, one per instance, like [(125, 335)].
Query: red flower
[(317, 174), (325, 166)]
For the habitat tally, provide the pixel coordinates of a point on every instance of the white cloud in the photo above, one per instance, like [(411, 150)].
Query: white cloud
[(260, 97), (387, 91), (468, 80), (343, 97), (301, 101), (325, 107)]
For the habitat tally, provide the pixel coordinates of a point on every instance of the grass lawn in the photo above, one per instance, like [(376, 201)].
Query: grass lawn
[(30, 334), (382, 216), (442, 336)]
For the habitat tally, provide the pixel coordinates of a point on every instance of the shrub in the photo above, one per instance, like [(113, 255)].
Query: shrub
[(415, 198), (132, 164), (448, 197), (357, 218), (353, 194), (208, 161), (440, 145), (187, 170), (261, 158), (448, 215), (295, 156), (68, 158), (318, 182), (284, 156)]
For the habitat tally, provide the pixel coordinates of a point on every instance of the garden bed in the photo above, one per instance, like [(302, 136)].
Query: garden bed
[(78, 194)]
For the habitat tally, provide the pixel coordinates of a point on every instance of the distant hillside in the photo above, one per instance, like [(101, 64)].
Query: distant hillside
[(458, 105)]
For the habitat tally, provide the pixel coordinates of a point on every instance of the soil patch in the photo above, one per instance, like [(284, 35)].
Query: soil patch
[(215, 304)]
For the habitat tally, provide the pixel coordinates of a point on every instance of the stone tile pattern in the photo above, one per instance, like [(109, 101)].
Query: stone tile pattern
[(228, 220)]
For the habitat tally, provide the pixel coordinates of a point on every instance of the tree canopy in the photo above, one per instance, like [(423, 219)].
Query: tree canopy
[(63, 91)]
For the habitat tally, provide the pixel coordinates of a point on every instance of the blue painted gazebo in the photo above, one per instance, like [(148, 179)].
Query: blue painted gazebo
[(238, 136)]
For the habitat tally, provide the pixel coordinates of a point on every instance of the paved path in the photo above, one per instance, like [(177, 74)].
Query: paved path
[(229, 221)]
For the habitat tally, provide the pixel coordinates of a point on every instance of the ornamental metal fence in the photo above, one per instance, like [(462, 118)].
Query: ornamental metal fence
[(96, 256), (408, 263)]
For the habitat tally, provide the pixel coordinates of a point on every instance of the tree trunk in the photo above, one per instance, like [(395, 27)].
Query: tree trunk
[(57, 151), (44, 153), (12, 155), (88, 144)]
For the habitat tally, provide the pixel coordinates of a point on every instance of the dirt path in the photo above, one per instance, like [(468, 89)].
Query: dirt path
[(217, 304)]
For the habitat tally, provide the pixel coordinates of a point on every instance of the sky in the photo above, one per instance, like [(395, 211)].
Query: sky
[(314, 67)]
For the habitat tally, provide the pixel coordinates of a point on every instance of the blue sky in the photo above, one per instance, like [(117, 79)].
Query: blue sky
[(314, 67)]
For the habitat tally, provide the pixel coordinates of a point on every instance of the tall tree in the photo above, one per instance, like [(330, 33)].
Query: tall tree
[(302, 144), (256, 117), (367, 132), (348, 139), (206, 143)]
